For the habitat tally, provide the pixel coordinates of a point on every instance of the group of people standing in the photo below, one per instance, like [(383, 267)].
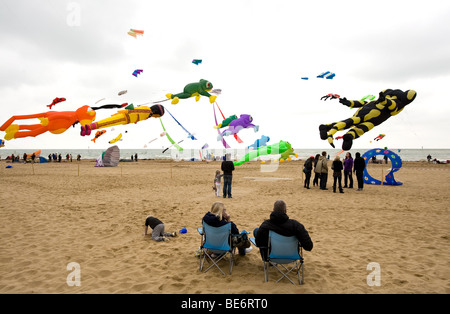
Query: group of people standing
[(319, 165)]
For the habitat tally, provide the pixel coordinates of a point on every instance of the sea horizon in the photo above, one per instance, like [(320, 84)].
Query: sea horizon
[(406, 154)]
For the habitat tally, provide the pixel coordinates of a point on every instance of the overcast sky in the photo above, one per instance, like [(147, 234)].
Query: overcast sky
[(256, 52)]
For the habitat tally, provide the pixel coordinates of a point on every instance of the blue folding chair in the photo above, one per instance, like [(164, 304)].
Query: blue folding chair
[(283, 251), (215, 245)]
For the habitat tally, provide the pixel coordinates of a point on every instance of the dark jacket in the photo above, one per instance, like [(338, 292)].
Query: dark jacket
[(281, 224), (359, 164), (214, 221), (308, 165), (337, 166), (227, 167)]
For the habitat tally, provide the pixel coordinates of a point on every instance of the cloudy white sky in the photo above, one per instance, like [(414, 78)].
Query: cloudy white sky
[(255, 51)]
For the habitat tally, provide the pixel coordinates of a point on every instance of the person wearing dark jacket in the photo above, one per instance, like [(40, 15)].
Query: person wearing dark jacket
[(227, 168), (308, 166), (280, 223), (337, 174), (218, 217), (359, 164)]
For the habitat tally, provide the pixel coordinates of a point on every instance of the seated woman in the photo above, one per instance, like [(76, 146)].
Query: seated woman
[(218, 217)]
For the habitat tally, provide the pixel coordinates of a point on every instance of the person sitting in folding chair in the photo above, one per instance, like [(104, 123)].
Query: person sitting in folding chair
[(280, 241), (280, 223), (218, 217)]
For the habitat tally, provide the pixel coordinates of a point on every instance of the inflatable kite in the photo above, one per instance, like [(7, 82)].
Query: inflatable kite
[(396, 165), (243, 122), (55, 101), (55, 122), (122, 92), (370, 114), (260, 142), (328, 75), (98, 134), (332, 96), (118, 138), (109, 158), (137, 72), (194, 89), (225, 144), (126, 116), (135, 32), (379, 137), (226, 122), (197, 61), (282, 147)]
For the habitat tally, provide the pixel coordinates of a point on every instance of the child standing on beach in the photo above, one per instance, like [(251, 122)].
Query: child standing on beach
[(337, 173), (217, 182), (158, 233)]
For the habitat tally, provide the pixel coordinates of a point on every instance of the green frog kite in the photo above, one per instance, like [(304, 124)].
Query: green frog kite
[(194, 89)]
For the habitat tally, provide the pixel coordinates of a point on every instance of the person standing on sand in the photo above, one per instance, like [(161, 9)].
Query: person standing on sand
[(322, 168), (358, 167), (337, 174), (217, 184), (227, 168), (307, 170), (348, 167)]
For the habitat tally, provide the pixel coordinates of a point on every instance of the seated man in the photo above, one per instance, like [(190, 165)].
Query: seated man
[(280, 223)]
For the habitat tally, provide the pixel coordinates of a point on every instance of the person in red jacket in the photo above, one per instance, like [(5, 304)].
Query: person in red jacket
[(281, 223)]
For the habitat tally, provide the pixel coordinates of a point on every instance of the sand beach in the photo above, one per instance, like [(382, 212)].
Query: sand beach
[(55, 214)]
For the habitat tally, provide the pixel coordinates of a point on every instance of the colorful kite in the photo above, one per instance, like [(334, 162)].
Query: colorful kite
[(370, 114), (328, 75), (332, 96), (379, 137), (226, 122), (122, 92), (282, 147), (396, 162), (2, 143), (98, 134), (118, 138), (260, 142), (198, 89), (135, 32), (197, 61), (137, 72), (225, 144), (55, 122), (243, 122), (55, 101), (126, 116)]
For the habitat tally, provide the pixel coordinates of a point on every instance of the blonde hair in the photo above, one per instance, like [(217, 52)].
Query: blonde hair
[(217, 209), (337, 158)]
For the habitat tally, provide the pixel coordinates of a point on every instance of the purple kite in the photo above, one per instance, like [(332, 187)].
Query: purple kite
[(243, 122), (136, 72)]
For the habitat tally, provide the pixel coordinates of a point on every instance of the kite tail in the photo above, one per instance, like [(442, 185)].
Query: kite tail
[(225, 144), (189, 133)]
